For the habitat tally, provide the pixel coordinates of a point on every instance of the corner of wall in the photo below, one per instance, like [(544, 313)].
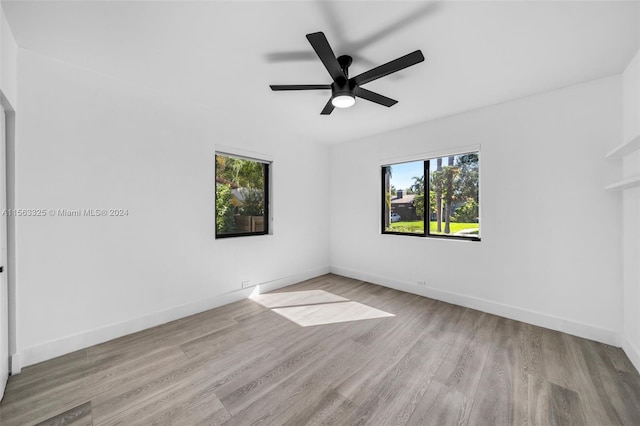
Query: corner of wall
[(632, 352)]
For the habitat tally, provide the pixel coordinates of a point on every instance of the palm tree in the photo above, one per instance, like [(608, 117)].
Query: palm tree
[(418, 188), (443, 182), (439, 198), (450, 177)]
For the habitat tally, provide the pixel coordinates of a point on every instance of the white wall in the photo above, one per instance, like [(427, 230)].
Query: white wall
[(90, 141), (550, 250), (630, 166), (8, 62)]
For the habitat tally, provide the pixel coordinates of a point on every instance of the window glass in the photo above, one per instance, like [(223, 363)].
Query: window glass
[(404, 197), (453, 192), (452, 208), (241, 196)]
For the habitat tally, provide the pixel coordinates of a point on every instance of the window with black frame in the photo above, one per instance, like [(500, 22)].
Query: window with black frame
[(242, 196), (437, 197)]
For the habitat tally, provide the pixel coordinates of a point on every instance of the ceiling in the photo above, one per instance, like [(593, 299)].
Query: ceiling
[(223, 55)]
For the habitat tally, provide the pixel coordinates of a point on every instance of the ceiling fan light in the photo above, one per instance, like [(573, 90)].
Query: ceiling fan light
[(343, 101)]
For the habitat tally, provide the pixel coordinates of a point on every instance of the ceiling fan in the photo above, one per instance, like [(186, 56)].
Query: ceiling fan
[(344, 89)]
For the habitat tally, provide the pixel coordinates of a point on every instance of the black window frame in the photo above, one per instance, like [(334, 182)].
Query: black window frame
[(425, 217), (267, 184)]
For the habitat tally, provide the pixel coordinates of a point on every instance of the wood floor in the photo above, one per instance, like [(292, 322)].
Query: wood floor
[(413, 361)]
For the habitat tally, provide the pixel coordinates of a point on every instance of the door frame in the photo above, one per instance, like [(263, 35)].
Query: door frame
[(9, 193)]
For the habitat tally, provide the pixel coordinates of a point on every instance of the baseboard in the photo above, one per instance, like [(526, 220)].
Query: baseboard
[(16, 364), (55, 348), (552, 322), (633, 353)]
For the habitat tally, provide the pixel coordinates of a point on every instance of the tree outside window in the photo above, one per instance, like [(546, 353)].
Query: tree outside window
[(241, 196), (452, 207)]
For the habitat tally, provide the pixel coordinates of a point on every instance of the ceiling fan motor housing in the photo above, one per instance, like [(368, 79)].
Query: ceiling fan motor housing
[(343, 88)]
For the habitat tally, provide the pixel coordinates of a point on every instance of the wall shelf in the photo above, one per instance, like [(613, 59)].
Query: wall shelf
[(627, 147), (626, 183)]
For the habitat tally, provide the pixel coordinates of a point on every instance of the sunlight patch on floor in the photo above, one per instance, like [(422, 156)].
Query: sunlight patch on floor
[(296, 298), (330, 313)]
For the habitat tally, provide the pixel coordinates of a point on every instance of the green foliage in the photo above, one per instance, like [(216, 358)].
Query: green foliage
[(411, 227), (241, 173), (247, 176), (450, 185), (418, 184), (224, 208), (468, 176), (444, 183), (468, 212), (418, 188), (432, 202), (418, 226), (454, 184), (418, 203), (252, 202)]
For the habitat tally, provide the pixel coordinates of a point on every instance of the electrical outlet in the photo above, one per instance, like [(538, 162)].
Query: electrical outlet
[(246, 284), (423, 283)]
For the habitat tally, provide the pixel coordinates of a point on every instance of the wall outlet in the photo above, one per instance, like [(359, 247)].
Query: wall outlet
[(422, 283), (246, 284)]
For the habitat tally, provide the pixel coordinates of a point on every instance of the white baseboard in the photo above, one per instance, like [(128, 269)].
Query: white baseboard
[(16, 365), (552, 322), (633, 353), (55, 348)]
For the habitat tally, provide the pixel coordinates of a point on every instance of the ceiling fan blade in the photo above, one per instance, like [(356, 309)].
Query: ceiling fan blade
[(328, 108), (277, 87), (389, 68), (323, 50), (374, 97)]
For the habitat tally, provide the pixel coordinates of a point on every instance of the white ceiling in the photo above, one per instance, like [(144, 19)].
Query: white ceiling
[(213, 54)]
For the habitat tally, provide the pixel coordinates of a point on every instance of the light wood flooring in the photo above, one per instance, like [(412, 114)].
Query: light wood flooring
[(413, 361)]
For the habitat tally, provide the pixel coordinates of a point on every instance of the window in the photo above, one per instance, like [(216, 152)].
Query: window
[(450, 211), (242, 196)]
